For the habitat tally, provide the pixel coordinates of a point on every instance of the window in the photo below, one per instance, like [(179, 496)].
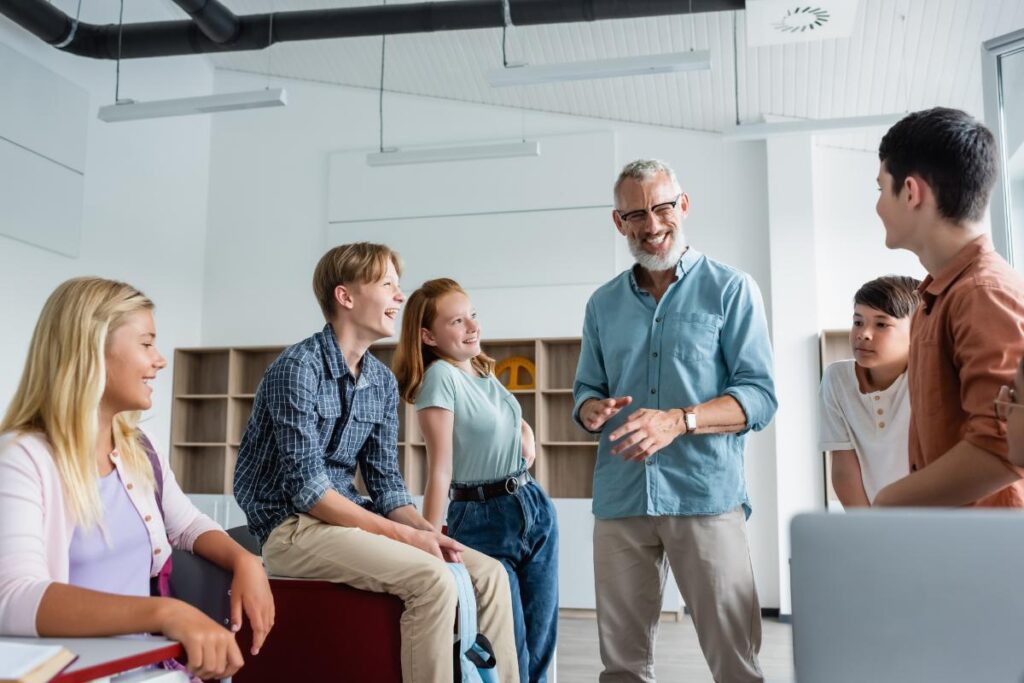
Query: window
[(1003, 73)]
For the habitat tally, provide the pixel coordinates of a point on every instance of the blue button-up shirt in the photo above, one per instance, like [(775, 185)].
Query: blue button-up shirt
[(312, 422), (707, 337)]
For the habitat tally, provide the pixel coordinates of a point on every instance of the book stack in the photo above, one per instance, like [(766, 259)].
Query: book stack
[(25, 663)]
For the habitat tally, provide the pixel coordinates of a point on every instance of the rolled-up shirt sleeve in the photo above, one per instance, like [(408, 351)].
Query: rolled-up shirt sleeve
[(591, 378), (983, 314), (291, 391), (378, 458), (748, 353)]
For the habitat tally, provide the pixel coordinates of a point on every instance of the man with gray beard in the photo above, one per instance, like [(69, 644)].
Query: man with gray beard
[(675, 369)]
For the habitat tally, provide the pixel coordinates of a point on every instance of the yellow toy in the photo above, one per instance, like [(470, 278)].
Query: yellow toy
[(515, 366)]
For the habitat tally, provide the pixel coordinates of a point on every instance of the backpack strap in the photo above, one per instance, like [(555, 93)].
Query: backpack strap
[(467, 607), (159, 585), (158, 470)]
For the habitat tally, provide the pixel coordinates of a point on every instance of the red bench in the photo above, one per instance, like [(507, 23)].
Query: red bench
[(326, 632)]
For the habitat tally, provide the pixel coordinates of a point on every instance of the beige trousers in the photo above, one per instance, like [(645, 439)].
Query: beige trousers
[(305, 547), (710, 559)]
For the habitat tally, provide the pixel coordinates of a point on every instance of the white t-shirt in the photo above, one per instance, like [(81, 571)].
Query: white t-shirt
[(875, 425)]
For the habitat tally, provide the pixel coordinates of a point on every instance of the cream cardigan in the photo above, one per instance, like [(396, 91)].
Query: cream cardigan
[(36, 529)]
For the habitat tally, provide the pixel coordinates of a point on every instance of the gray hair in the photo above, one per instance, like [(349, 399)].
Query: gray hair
[(643, 169)]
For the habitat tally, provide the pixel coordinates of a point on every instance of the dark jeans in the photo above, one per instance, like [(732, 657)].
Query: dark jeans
[(521, 532)]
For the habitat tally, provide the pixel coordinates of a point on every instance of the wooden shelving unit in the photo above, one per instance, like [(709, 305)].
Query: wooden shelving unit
[(833, 345), (214, 391)]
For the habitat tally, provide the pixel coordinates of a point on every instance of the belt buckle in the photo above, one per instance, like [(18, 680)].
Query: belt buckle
[(512, 485)]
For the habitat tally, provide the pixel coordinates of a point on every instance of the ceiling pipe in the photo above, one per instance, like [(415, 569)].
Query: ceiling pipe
[(172, 38), (216, 21)]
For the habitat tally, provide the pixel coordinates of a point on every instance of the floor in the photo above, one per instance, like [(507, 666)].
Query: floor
[(678, 658)]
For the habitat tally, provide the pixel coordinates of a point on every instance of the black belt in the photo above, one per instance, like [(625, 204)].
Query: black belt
[(503, 487)]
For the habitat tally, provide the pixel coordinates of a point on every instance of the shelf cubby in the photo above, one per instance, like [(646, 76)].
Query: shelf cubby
[(559, 360), (200, 420), (559, 425), (248, 368), (570, 470), (528, 403), (239, 411), (200, 372), (200, 469), (501, 351), (833, 345)]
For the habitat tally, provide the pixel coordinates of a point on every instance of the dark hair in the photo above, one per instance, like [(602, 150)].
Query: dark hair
[(954, 153), (894, 295)]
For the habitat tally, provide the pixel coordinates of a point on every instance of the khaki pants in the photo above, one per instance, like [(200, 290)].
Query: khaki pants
[(305, 547), (710, 559)]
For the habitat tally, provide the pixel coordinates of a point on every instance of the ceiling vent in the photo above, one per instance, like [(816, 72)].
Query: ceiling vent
[(800, 19), (778, 22)]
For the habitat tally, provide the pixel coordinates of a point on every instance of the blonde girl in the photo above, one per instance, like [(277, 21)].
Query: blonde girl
[(84, 522)]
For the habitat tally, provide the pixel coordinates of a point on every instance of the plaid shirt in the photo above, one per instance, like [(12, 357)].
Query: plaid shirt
[(311, 424)]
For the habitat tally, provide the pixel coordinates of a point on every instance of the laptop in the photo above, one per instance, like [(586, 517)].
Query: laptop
[(908, 596)]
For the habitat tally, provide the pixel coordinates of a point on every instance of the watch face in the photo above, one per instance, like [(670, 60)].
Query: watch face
[(691, 421)]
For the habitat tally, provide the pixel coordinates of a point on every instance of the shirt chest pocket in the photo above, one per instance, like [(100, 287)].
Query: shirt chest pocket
[(328, 407), (364, 421), (692, 336), (927, 358), (328, 410)]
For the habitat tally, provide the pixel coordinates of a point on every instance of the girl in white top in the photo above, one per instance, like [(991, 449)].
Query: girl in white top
[(863, 403)]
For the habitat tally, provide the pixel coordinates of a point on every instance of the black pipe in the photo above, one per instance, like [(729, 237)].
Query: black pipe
[(38, 18), (216, 21), (170, 38)]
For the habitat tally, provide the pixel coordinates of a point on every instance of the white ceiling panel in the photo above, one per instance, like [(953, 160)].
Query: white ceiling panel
[(902, 55)]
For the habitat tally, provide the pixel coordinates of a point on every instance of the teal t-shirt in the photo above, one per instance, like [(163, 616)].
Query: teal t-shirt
[(486, 443)]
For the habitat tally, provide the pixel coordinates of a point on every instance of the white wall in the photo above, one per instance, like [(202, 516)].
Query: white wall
[(268, 197), (144, 213), (267, 218), (849, 236)]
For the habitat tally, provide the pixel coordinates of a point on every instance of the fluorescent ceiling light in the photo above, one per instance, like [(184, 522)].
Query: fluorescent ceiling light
[(184, 106), (433, 154), (600, 68), (758, 131)]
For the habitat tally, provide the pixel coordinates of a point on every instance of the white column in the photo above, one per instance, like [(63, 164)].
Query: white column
[(794, 326)]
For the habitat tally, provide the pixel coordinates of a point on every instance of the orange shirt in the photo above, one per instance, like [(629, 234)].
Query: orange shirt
[(966, 340)]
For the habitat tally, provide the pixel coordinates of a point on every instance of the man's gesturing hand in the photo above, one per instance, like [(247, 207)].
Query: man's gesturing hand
[(595, 412), (646, 432)]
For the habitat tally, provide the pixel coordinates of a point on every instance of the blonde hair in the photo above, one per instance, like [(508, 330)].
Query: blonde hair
[(413, 357), (63, 382), (360, 262)]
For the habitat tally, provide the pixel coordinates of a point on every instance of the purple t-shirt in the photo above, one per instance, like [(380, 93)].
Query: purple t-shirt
[(122, 565)]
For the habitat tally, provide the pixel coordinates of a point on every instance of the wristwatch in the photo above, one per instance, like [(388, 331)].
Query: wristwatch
[(691, 421)]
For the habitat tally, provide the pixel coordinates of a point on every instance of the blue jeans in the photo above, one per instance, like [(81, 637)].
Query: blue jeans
[(521, 532)]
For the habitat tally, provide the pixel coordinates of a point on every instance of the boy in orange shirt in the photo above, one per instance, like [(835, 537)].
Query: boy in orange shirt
[(937, 171)]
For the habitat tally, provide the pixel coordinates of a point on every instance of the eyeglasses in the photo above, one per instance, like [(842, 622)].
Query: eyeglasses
[(660, 211), (1006, 401)]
